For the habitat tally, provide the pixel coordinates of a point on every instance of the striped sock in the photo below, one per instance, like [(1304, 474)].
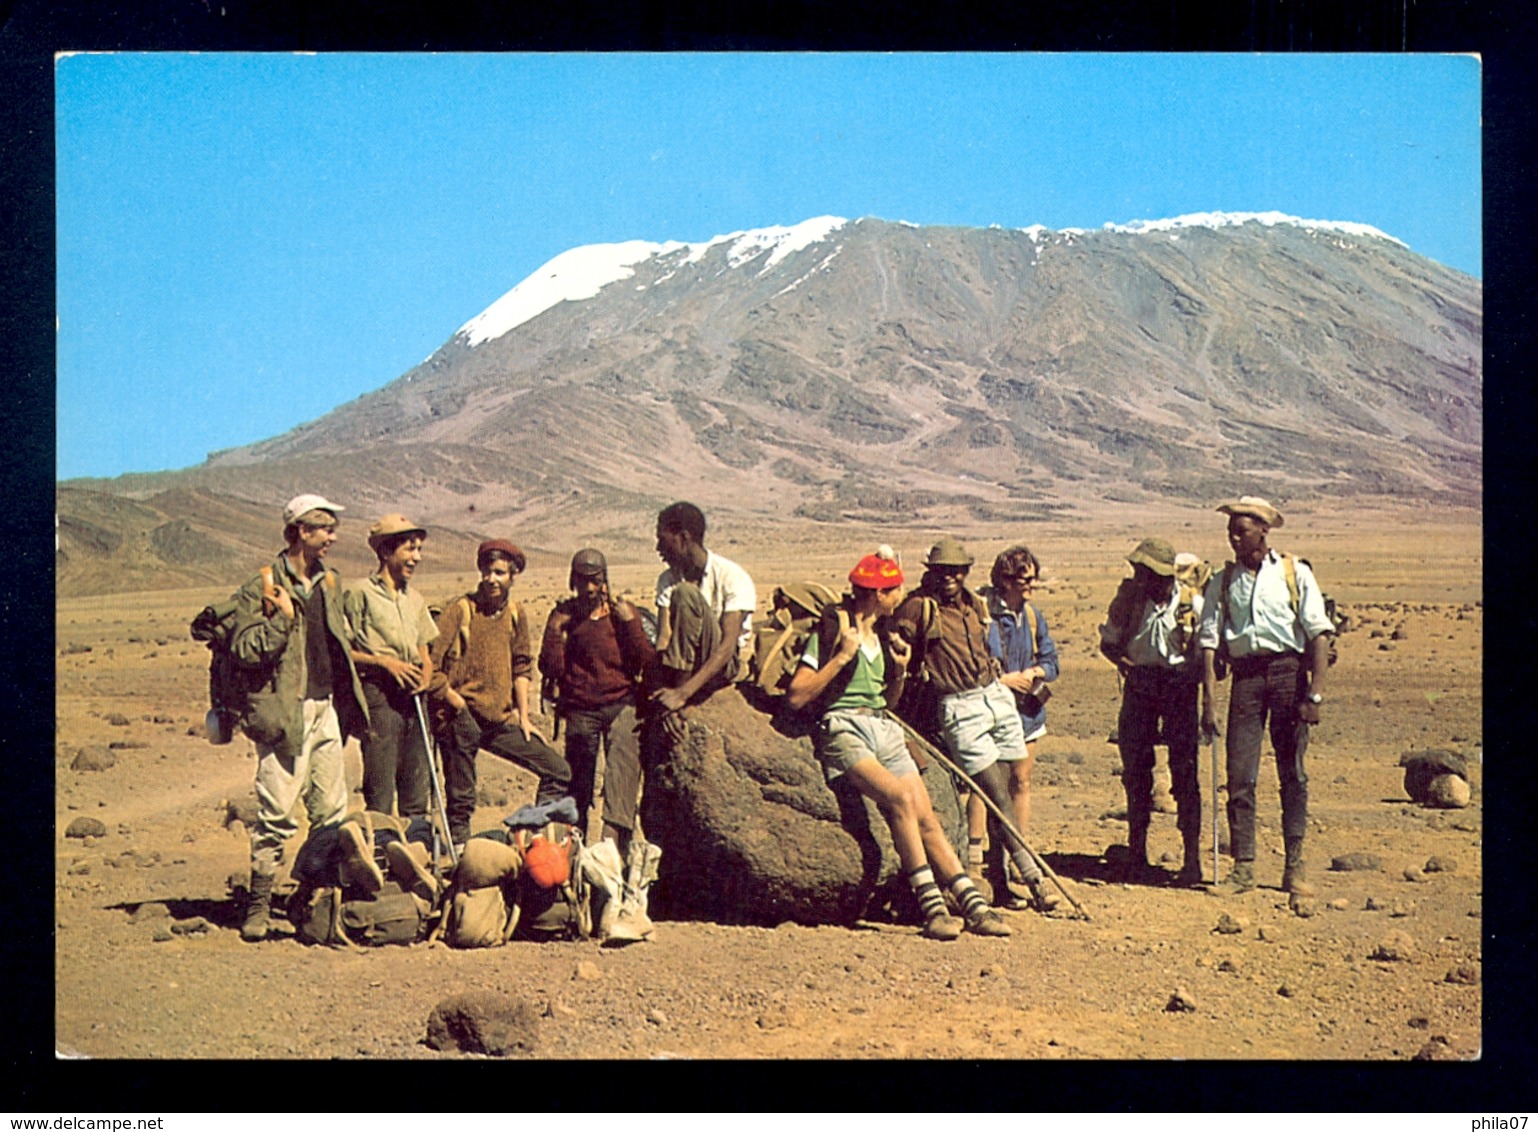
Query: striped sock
[(974, 850), (922, 881), (967, 897)]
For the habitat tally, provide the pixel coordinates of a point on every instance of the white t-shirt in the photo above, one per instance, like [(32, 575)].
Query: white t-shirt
[(727, 589)]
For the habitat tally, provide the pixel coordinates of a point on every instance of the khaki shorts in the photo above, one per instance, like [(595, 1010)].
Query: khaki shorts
[(843, 739)]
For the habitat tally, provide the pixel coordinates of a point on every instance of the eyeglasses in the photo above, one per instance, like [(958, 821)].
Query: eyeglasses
[(1021, 579)]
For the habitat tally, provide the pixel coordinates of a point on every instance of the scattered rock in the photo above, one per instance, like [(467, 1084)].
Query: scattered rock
[(486, 1022), (1441, 865), (1400, 634), (1339, 905), (1435, 1050), (1230, 925), (656, 1017), (74, 648), (587, 971), (1422, 768), (1465, 827), (1286, 991), (1420, 1023), (1396, 947), (154, 910), (1399, 909), (1180, 1001), (1356, 863), (1448, 792), (127, 745), (1270, 933), (1375, 905), (241, 810), (1415, 876), (1304, 907), (86, 827), (118, 719), (161, 934), (93, 758), (1230, 966), (1463, 975), (197, 925)]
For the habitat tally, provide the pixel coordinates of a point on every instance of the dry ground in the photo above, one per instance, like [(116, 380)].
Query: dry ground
[(1284, 986)]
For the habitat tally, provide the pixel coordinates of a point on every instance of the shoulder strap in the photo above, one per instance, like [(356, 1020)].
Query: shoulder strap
[(1228, 575), (1290, 572), (1030, 618)]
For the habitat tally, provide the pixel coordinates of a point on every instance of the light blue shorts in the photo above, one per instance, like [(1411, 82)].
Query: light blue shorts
[(843, 739), (982, 726)]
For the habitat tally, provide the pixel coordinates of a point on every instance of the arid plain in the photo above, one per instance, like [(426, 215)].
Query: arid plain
[(133, 982)]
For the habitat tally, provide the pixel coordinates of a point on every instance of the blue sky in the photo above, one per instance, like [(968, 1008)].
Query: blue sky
[(247, 241)]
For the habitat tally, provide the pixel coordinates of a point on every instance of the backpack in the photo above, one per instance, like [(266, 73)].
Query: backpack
[(328, 917), (780, 640), (561, 912), (1290, 573), (215, 627)]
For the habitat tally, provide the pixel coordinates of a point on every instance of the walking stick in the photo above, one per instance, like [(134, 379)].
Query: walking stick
[(436, 782), (1212, 746), (929, 749)]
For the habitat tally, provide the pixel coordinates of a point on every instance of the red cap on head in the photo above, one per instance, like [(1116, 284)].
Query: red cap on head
[(502, 546), (874, 572)]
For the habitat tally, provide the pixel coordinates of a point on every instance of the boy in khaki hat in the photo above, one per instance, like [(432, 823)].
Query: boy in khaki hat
[(391, 631)]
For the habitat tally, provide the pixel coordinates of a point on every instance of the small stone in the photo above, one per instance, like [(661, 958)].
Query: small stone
[(1433, 1051), (1305, 907), (85, 827), (587, 971), (197, 925), (1396, 947), (127, 745), (1270, 933), (154, 910), (93, 758), (1286, 991), (1441, 865), (1229, 966), (1465, 827), (1356, 863), (1419, 1023), (1180, 1001), (487, 1022), (1339, 905), (1414, 875), (656, 1017), (1230, 925), (1448, 792), (1375, 905), (117, 719), (1463, 975), (74, 648), (161, 934), (1399, 909), (1400, 634)]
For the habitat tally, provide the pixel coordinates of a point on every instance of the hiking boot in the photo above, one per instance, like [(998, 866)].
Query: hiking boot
[(989, 923), (984, 886), (1190, 874), (408, 865), (253, 929), (1043, 899), (1241, 878), (1009, 901), (941, 926), (1294, 873), (358, 868)]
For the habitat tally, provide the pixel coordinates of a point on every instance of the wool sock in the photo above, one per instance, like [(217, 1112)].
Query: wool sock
[(974, 850), (931, 902), (967, 897), (1027, 866)]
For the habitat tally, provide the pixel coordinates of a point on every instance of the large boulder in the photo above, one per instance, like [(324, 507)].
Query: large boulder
[(751, 832), (1422, 768)]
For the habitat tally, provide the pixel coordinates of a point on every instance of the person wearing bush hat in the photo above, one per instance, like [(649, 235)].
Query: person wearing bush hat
[(289, 626), (852, 674), (1150, 635), (1278, 648), (959, 702), (480, 690), (392, 632)]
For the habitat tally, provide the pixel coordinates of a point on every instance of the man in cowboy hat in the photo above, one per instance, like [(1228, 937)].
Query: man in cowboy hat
[(391, 631), (303, 697), (595, 649), (1278, 648), (975, 716), (1151, 638), (480, 690)]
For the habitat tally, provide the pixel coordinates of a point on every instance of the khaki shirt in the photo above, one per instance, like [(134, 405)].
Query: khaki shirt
[(956, 656), (386, 623)]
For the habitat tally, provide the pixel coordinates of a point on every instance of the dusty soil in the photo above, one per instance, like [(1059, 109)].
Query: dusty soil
[(1283, 986)]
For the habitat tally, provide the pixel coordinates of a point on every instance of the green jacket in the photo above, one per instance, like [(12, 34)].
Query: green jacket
[(271, 656)]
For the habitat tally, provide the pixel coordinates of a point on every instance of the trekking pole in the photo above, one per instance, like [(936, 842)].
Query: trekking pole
[(929, 749), (1212, 746), (435, 780)]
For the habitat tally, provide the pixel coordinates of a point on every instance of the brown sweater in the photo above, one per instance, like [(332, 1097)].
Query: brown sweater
[(596, 663), (496, 653)]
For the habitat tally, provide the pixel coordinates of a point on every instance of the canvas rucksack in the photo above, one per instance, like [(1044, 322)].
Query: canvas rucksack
[(326, 916), (778, 642), (561, 911), (1290, 574), (215, 627)]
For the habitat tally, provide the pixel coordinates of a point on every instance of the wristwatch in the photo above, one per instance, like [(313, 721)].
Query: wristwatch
[(1315, 698)]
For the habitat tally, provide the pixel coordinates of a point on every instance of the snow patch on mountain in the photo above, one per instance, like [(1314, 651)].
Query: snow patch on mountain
[(1233, 219), (576, 274), (778, 240)]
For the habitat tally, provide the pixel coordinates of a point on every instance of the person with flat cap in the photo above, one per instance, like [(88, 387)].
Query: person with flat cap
[(594, 653), (480, 689), (1264, 616), (1150, 634), (852, 671), (961, 699), (391, 634), (302, 694)]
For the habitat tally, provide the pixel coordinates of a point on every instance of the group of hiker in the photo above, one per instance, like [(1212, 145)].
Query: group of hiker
[(882, 674)]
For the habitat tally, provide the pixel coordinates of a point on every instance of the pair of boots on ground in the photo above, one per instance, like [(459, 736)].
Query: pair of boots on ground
[(1140, 871), (1294, 874), (989, 870)]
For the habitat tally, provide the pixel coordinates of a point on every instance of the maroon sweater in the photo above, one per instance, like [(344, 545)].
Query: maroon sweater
[(596, 663)]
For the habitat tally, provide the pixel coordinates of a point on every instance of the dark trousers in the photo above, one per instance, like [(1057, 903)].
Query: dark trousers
[(1267, 686), (612, 727), (468, 734), (1152, 695), (394, 754)]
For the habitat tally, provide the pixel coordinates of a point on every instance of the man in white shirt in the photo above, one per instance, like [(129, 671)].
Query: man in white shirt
[(1150, 634), (1277, 645), (705, 609)]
